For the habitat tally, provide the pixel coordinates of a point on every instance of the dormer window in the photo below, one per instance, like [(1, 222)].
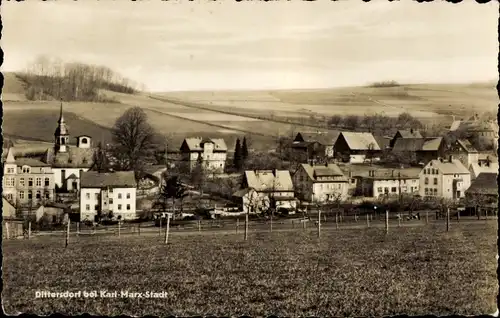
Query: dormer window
[(26, 169), (85, 141)]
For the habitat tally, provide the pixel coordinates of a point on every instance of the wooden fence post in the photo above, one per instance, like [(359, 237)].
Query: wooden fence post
[(337, 221), (119, 228), (77, 228), (386, 221), (355, 217), (139, 229), (246, 226), (159, 233), (67, 233), (199, 225), (447, 219), (399, 219), (427, 217), (29, 230), (319, 223), (7, 229), (168, 229), (293, 225), (237, 224), (271, 223), (458, 216), (367, 220)]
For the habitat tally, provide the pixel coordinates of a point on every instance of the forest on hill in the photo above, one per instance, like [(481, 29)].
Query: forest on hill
[(50, 78)]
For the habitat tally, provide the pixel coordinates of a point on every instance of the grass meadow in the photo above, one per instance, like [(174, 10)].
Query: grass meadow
[(415, 271)]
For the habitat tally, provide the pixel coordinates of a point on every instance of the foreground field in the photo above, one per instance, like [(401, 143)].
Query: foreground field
[(416, 271)]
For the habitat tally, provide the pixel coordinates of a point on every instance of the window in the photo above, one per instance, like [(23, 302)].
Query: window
[(386, 190), (42, 170), (435, 181), (38, 182), (96, 196), (110, 200), (9, 196), (119, 195), (379, 189), (435, 191), (38, 195), (10, 182), (30, 182), (21, 182), (84, 140), (21, 195), (393, 189), (96, 207), (26, 169), (119, 206), (10, 170), (87, 196), (30, 195), (426, 191), (426, 181), (128, 206), (47, 182), (47, 195), (87, 207), (425, 171)]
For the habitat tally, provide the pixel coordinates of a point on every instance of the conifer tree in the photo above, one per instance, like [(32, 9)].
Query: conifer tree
[(244, 149), (237, 162)]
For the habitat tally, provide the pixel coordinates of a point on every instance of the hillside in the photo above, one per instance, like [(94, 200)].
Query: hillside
[(260, 115)]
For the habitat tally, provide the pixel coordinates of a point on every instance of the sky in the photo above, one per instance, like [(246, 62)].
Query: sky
[(212, 45)]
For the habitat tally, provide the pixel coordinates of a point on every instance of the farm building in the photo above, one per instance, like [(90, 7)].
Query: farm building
[(52, 213), (321, 183), (483, 191), (388, 182), (464, 151), (444, 178), (356, 147), (405, 134), (425, 149), (276, 185), (310, 146), (104, 194)]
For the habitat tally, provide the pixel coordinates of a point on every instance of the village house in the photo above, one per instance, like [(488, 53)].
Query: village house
[(483, 192), (273, 189), (405, 134), (488, 165), (8, 209), (211, 153), (313, 146), (388, 182), (464, 151), (52, 213), (320, 183), (69, 161), (356, 147), (425, 149), (444, 178), (27, 181), (104, 194), (477, 127)]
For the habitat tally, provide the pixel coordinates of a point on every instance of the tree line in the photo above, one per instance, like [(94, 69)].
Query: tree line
[(50, 78), (377, 124)]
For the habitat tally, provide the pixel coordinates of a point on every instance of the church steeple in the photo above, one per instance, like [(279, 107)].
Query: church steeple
[(61, 134)]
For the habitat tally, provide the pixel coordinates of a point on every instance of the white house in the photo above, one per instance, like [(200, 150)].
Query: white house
[(210, 152), (108, 193), (274, 187), (444, 178), (356, 147), (388, 182), (69, 161), (321, 182)]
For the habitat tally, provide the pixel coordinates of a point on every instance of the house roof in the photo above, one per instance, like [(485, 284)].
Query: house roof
[(152, 169), (478, 169), (417, 144), (487, 156), (485, 183), (74, 157), (194, 143), (409, 133), (31, 162), (382, 141), (10, 156), (393, 174), (269, 180), (455, 125), (94, 179), (323, 171), (447, 167), (72, 176), (242, 192), (360, 140), (324, 138), (466, 145)]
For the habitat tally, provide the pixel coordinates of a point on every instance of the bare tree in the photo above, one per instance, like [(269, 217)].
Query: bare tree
[(134, 139)]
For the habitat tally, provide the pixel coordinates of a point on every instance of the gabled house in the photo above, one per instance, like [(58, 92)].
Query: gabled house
[(425, 149), (388, 182), (464, 151), (444, 178), (211, 153), (310, 146), (273, 186), (477, 168), (356, 147), (483, 191), (104, 194), (321, 183), (405, 134)]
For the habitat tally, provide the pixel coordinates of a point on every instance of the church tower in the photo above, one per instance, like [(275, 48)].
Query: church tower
[(61, 134)]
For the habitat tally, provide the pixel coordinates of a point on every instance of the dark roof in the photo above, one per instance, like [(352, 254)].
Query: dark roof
[(324, 138), (409, 134), (382, 141), (485, 183), (241, 193), (417, 144), (466, 145), (31, 162), (74, 157), (94, 179)]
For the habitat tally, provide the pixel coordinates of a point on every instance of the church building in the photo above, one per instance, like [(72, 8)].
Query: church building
[(68, 161)]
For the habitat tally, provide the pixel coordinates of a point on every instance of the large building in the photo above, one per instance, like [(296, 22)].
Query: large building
[(211, 153), (424, 149), (356, 147), (313, 146), (112, 193), (69, 161), (27, 181), (389, 182), (445, 179), (320, 183)]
